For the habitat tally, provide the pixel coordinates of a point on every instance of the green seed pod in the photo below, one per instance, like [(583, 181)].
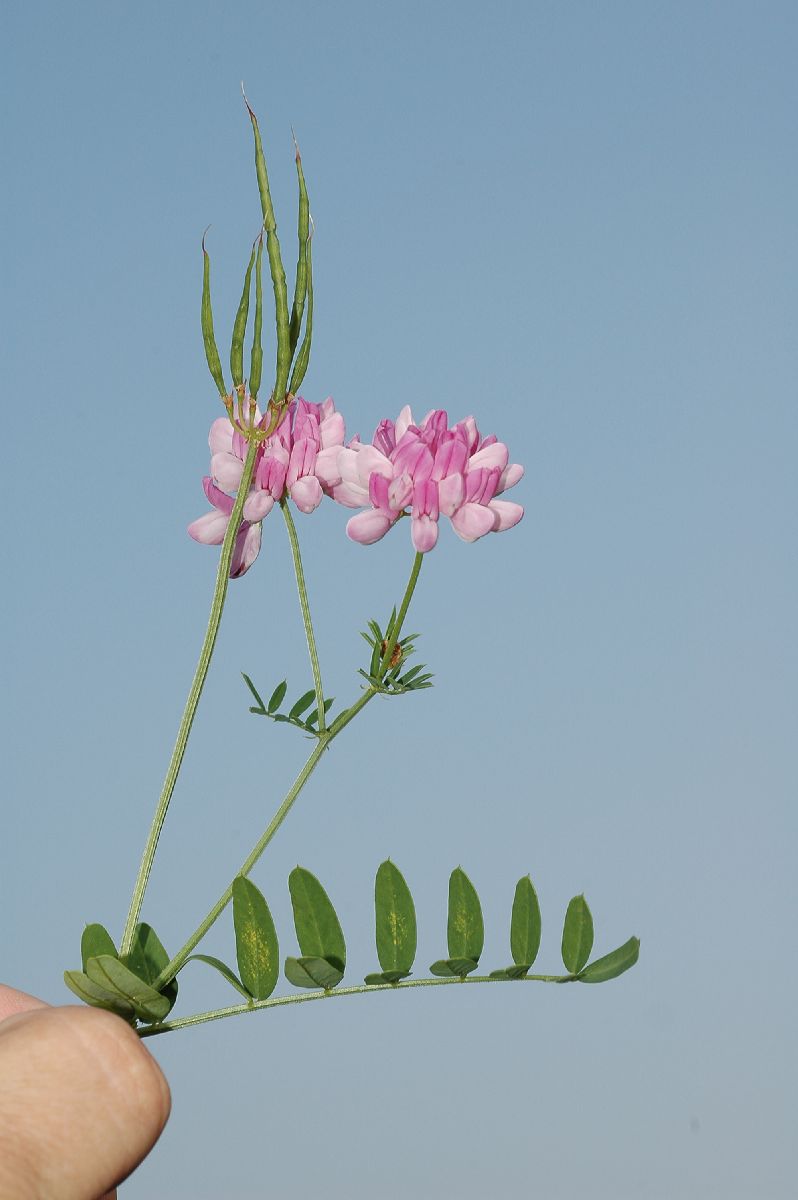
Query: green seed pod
[(240, 327), (206, 321), (303, 357), (276, 268), (256, 359), (303, 230)]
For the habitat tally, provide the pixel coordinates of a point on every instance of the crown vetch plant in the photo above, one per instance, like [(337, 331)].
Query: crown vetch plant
[(290, 452)]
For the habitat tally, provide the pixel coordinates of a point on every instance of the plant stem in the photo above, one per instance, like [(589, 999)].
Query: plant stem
[(324, 740), (171, 968), (385, 661), (234, 1010), (189, 712), (305, 606)]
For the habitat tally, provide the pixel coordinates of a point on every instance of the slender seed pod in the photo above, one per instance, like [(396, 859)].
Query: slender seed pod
[(240, 327), (301, 284), (275, 267), (256, 359), (206, 320), (303, 357)]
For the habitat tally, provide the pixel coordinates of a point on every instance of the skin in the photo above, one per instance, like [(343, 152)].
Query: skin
[(82, 1101)]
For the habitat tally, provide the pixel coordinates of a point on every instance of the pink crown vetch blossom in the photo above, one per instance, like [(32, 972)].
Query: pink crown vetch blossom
[(300, 458), (434, 471)]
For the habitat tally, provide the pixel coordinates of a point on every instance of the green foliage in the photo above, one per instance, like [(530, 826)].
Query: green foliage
[(96, 940), (612, 965), (577, 935), (386, 673), (123, 986), (465, 931), (126, 987), (318, 929), (308, 724), (257, 949), (147, 959), (111, 975), (525, 925), (314, 972), (452, 967), (223, 970), (395, 922), (319, 933), (98, 997)]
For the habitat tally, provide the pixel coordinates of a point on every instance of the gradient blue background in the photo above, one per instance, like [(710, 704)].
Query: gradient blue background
[(576, 221)]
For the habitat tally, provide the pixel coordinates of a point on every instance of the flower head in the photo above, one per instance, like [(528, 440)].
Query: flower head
[(298, 459), (431, 470)]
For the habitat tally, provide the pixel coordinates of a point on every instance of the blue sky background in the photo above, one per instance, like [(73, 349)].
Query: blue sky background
[(576, 221)]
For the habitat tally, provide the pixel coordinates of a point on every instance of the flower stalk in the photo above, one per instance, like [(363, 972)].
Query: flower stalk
[(192, 702), (306, 618)]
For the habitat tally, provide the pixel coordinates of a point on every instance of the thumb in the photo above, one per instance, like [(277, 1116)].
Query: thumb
[(82, 1102)]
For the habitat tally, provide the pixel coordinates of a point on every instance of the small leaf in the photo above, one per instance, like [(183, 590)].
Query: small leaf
[(465, 930), (98, 997), (386, 977), (302, 703), (96, 940), (395, 919), (147, 959), (257, 951), (577, 935), (516, 971), (454, 967), (223, 969), (112, 975), (314, 972), (317, 927), (277, 697), (261, 706), (525, 924), (612, 965)]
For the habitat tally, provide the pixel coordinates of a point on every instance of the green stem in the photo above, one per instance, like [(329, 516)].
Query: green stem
[(235, 1010), (305, 606), (385, 662), (171, 968), (324, 740), (197, 684)]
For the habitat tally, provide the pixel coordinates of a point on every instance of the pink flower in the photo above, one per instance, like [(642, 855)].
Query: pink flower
[(433, 470), (300, 458)]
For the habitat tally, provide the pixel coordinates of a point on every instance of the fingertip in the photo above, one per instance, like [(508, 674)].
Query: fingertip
[(82, 1100)]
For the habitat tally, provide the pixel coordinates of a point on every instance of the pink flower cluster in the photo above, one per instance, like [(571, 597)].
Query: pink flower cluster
[(429, 469), (435, 471), (300, 459)]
